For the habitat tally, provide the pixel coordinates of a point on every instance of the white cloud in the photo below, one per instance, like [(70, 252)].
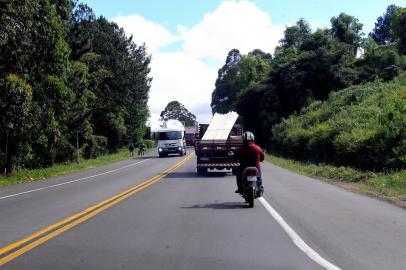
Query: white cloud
[(240, 25), (153, 34), (184, 75), (178, 76)]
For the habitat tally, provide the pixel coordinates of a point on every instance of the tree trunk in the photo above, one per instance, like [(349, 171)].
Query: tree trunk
[(77, 147), (6, 156)]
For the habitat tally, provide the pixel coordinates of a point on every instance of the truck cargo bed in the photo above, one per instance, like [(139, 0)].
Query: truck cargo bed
[(217, 154)]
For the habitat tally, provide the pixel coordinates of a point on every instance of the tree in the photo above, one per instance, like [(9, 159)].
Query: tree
[(225, 94), (295, 35), (399, 29), (118, 76), (34, 49), (176, 110), (346, 29), (15, 106), (259, 52), (383, 62), (251, 80), (254, 71), (382, 30), (74, 76)]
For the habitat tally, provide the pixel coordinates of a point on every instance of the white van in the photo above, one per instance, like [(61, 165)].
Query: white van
[(171, 139)]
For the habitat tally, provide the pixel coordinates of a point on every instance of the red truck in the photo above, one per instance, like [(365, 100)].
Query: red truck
[(190, 138), (191, 135)]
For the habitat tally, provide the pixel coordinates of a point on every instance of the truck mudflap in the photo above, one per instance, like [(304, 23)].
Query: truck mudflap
[(219, 165)]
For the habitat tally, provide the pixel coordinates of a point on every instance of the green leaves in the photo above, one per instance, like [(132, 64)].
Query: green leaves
[(346, 29), (382, 30), (178, 111), (399, 29), (15, 107), (65, 75), (362, 126)]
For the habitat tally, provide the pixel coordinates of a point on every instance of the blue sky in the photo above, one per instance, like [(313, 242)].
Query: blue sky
[(170, 13), (189, 40)]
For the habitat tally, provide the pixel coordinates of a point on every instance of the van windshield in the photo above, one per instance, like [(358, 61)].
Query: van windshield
[(170, 135), (189, 135)]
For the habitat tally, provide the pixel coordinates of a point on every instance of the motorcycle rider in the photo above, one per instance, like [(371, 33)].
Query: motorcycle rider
[(249, 155)]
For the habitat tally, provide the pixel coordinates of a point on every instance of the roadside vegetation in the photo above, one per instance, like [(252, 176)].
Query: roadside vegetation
[(68, 80), (25, 175), (387, 185), (362, 126), (332, 96)]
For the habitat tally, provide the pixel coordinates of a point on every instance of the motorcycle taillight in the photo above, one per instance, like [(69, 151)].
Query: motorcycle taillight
[(252, 173)]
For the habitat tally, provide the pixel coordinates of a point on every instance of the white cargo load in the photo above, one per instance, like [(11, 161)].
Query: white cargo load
[(220, 126)]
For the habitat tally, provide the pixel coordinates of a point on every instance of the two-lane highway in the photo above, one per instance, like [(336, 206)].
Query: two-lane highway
[(156, 213)]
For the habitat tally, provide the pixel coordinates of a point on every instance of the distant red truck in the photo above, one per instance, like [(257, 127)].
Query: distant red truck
[(190, 138), (191, 133)]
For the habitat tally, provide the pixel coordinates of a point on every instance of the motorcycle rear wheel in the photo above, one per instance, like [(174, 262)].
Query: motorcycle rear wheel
[(250, 197)]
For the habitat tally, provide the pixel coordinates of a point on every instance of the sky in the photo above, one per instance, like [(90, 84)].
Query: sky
[(189, 39)]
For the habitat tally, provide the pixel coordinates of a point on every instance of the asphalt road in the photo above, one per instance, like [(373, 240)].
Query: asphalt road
[(185, 221)]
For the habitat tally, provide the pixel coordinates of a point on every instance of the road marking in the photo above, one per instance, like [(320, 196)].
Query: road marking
[(311, 253), (24, 245), (71, 181)]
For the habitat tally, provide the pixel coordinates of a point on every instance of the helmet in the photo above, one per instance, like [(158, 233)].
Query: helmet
[(248, 136)]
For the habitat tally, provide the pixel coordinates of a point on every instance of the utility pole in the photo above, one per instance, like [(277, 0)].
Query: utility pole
[(77, 147)]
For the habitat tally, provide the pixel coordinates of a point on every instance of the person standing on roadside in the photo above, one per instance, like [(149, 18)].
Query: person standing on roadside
[(141, 149), (131, 148)]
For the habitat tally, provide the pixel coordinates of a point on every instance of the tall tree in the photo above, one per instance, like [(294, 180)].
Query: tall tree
[(399, 28), (15, 107), (296, 34), (94, 90), (382, 30), (251, 80), (34, 49), (347, 29), (178, 111), (119, 76), (225, 94)]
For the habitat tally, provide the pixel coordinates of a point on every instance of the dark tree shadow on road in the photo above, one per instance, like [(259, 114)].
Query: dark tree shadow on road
[(224, 205), (195, 175)]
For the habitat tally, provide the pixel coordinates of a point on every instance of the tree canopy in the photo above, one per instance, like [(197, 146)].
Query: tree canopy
[(67, 75), (306, 70), (382, 33), (176, 110)]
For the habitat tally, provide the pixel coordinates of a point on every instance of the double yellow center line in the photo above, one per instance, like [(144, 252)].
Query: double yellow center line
[(13, 250)]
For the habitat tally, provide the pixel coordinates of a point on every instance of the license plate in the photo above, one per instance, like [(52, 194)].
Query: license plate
[(251, 178), (204, 159)]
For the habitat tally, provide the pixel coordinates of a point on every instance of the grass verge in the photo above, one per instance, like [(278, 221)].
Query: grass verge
[(25, 175), (387, 186)]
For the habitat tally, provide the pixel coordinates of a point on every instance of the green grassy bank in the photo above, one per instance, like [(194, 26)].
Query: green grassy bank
[(389, 186), (24, 175)]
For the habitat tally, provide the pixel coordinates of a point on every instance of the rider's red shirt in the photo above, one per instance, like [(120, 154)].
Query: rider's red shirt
[(250, 155)]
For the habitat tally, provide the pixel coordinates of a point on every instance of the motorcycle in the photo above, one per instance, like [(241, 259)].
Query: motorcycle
[(250, 187)]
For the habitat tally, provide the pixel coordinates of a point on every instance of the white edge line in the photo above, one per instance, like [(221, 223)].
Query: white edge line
[(71, 181), (311, 253)]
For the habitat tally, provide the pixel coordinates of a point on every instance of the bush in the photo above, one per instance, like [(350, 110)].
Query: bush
[(362, 126), (149, 143)]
